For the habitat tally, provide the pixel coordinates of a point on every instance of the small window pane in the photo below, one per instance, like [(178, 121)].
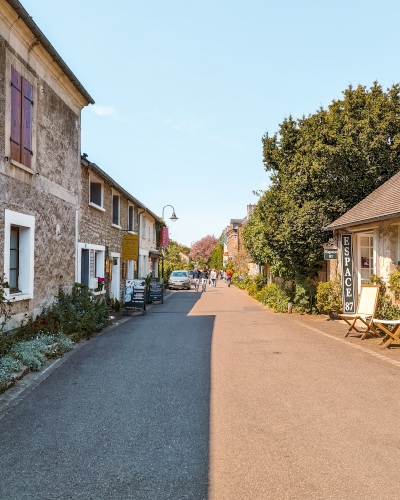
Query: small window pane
[(364, 252), (13, 259), (116, 210), (365, 274), (130, 222), (371, 241), (364, 241), (14, 239), (13, 278)]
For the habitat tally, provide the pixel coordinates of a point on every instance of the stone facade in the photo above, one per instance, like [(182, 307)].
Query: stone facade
[(102, 238), (40, 200)]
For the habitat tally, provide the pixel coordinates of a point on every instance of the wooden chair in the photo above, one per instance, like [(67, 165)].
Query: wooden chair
[(366, 311), (392, 336)]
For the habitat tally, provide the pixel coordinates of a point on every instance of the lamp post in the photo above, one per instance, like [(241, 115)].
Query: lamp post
[(173, 218), (138, 261)]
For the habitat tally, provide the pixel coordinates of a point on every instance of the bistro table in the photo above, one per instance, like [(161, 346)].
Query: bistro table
[(394, 335)]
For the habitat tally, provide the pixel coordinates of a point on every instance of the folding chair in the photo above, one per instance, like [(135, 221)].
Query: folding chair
[(366, 310), (393, 336)]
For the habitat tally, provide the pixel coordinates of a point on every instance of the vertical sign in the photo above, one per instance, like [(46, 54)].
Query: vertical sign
[(349, 305), (164, 237)]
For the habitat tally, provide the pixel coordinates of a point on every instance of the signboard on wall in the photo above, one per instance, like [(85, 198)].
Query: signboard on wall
[(349, 304), (164, 237), (330, 253), (130, 247)]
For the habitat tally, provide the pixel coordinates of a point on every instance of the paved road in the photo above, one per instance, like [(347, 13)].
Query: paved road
[(207, 398)]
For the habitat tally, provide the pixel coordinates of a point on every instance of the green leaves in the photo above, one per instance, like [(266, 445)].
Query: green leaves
[(321, 166)]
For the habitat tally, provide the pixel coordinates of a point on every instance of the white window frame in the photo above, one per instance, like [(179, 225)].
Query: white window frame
[(94, 179), (131, 269), (154, 233), (26, 224), (133, 212), (143, 223), (370, 234), (115, 193), (96, 248)]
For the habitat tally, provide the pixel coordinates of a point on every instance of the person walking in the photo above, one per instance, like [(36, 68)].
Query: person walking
[(229, 274), (196, 278), (213, 278), (204, 278)]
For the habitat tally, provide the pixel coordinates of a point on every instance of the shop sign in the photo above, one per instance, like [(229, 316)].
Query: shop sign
[(135, 296), (156, 290), (330, 253), (349, 305), (130, 247), (164, 237)]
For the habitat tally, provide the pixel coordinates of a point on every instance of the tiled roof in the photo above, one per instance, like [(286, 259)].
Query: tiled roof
[(382, 203)]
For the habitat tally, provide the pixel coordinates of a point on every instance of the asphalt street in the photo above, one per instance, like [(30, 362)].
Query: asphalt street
[(125, 417), (209, 396)]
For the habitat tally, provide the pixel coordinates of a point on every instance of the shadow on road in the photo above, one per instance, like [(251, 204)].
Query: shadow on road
[(125, 417)]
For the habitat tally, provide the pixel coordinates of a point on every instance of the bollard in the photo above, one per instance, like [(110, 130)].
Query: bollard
[(289, 307)]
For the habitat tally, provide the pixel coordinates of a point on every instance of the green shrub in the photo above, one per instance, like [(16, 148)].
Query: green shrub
[(394, 282), (304, 296), (253, 289), (329, 296), (386, 309), (116, 305), (275, 297)]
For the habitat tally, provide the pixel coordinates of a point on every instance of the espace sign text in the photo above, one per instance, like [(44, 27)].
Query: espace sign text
[(349, 305)]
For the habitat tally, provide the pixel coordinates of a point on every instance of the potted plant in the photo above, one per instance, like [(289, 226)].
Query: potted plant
[(100, 283)]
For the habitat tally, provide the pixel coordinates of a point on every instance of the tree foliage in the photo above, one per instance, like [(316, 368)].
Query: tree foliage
[(201, 250), (321, 166), (172, 260), (216, 259)]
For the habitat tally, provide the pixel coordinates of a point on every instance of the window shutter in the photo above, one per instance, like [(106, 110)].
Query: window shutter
[(27, 104), (15, 139), (115, 210), (95, 193)]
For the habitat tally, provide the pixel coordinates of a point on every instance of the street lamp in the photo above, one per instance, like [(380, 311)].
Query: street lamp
[(174, 218)]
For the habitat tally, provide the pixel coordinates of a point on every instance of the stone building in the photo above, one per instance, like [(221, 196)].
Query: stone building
[(374, 243), (106, 212), (40, 124)]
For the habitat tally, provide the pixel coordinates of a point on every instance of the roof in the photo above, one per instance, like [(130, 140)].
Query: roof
[(30, 23), (100, 173), (383, 203)]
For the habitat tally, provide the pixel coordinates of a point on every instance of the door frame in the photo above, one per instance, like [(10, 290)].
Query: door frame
[(115, 255)]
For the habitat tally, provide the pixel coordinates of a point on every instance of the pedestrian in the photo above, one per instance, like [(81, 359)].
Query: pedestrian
[(213, 278), (196, 277), (229, 274), (204, 278)]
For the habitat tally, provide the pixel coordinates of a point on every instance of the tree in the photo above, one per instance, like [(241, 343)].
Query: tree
[(320, 167), (216, 259), (201, 250), (172, 260)]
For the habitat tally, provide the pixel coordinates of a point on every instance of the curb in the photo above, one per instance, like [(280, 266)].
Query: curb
[(30, 380)]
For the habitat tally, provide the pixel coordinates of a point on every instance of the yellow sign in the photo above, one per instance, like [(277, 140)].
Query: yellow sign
[(130, 247)]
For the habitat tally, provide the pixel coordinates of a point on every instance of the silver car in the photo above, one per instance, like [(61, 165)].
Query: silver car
[(179, 279)]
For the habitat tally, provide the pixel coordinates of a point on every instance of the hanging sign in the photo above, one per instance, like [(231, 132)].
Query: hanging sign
[(130, 247), (349, 305), (164, 237), (330, 250)]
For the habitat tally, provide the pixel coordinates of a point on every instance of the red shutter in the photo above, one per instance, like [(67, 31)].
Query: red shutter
[(15, 139), (27, 103)]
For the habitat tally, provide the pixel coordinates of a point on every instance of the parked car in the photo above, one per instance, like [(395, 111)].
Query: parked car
[(191, 276), (179, 279)]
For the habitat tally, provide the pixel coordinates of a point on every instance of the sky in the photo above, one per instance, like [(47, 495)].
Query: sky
[(185, 91)]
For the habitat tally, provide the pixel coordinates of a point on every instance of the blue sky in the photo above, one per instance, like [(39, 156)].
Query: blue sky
[(184, 91)]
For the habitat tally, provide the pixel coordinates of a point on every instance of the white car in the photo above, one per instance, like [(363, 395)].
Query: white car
[(180, 280)]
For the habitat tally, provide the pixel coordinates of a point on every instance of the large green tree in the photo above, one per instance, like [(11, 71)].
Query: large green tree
[(320, 166)]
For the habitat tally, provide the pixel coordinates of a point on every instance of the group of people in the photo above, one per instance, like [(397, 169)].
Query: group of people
[(212, 276)]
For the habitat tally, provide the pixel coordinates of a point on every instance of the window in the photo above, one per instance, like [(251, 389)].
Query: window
[(154, 232), (115, 214), (131, 266), (99, 264), (143, 227), (14, 259), (130, 220), (19, 247), (21, 120), (149, 233), (366, 257), (96, 194)]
